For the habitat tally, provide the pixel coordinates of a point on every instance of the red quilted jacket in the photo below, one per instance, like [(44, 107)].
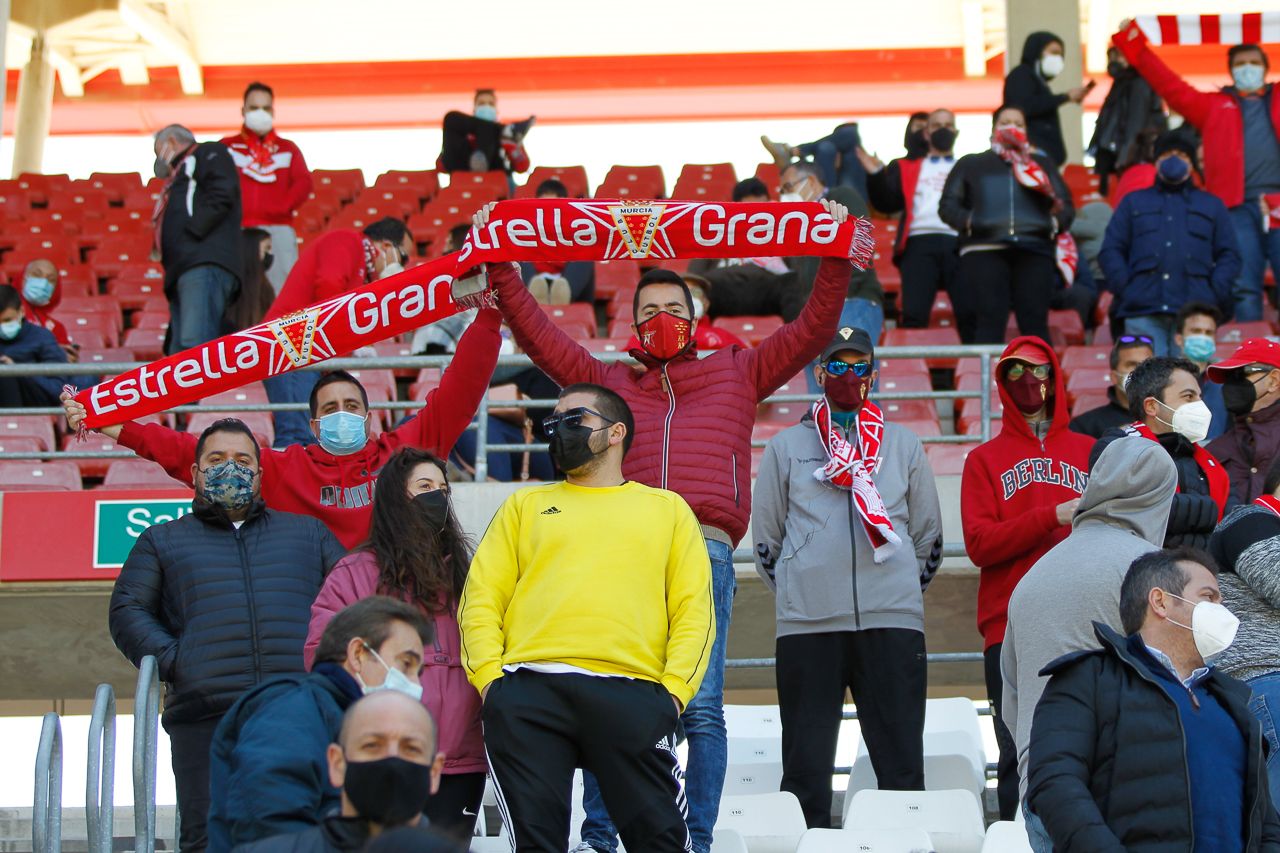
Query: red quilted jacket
[(693, 416)]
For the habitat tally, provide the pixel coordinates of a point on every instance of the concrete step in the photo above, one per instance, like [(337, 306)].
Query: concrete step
[(15, 829)]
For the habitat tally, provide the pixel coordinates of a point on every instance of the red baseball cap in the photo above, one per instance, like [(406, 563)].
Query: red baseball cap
[(1252, 351), (1028, 352)]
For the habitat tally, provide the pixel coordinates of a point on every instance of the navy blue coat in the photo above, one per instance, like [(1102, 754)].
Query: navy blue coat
[(221, 609), (1169, 246), (268, 771), (36, 345)]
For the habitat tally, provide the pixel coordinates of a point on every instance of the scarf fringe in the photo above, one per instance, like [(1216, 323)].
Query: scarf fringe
[(862, 248), (82, 433)]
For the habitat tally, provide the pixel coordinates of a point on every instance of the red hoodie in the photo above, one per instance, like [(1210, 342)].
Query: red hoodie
[(1009, 495), (338, 490), (273, 188), (329, 266)]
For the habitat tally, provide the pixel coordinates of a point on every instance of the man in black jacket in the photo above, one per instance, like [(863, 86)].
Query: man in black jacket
[(1143, 745), (1165, 405), (1128, 352), (1027, 87), (198, 234), (1131, 107), (222, 598)]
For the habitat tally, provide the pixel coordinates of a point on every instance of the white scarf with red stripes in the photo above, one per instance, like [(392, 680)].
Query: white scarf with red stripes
[(850, 466)]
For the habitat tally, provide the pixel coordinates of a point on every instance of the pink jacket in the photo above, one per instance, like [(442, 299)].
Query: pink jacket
[(450, 698)]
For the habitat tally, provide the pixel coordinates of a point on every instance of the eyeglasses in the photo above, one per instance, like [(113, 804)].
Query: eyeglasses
[(571, 418), (840, 368), (792, 186), (1135, 339), (1017, 369)]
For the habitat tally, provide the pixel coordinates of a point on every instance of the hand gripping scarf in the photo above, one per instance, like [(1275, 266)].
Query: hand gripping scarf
[(555, 230), (1219, 482), (850, 466)]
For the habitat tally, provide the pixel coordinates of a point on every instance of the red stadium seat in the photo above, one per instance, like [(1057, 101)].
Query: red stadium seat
[(696, 189), (116, 185), (38, 427), (1095, 380), (39, 477), (898, 367), (708, 172), (94, 441), (579, 312), (20, 444), (947, 460), (139, 474), (91, 338), (493, 184), (425, 183), (574, 179), (147, 344), (905, 383), (80, 202), (646, 181), (91, 322), (619, 328), (899, 411), (612, 277), (57, 247), (396, 349), (398, 202), (753, 330), (134, 293), (109, 355), (1069, 324), (925, 338), (97, 304), (150, 320), (346, 182), (781, 413), (259, 423), (769, 174), (923, 428), (1236, 333), (942, 314), (376, 378), (119, 250), (38, 187), (1086, 358), (1087, 401), (767, 430), (798, 384), (605, 345), (249, 395)]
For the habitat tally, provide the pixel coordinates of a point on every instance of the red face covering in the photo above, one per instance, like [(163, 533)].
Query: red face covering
[(1011, 136), (664, 336), (847, 393), (1029, 394)]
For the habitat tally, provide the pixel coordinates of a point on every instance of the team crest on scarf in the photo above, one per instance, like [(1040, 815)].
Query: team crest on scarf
[(636, 224), (297, 334), (637, 229)]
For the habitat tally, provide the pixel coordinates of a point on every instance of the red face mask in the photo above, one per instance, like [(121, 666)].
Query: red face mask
[(1029, 394), (664, 336), (847, 393), (1011, 136)]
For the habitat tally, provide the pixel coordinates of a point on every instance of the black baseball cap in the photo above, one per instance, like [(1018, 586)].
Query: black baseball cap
[(851, 338)]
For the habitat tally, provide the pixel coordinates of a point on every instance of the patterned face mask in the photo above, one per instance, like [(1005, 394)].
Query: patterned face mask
[(228, 485)]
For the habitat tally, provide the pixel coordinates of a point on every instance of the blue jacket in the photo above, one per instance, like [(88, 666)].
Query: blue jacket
[(1169, 246), (36, 345), (268, 772)]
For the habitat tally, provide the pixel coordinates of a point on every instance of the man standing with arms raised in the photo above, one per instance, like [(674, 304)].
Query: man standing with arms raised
[(693, 436)]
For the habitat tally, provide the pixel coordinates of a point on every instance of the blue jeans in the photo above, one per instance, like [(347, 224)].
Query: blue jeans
[(1158, 327), (1037, 835), (703, 724), (835, 156), (861, 314), (1265, 705), (292, 387), (197, 305), (1257, 248)]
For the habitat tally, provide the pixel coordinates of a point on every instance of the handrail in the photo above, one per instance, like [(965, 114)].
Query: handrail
[(46, 816), (146, 719), (99, 790)]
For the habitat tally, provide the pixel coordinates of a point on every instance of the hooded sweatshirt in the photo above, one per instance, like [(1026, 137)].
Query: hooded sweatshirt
[(1122, 516), (42, 315), (1009, 494), (1026, 88)]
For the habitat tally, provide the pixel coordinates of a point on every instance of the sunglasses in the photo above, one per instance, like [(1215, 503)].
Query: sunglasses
[(571, 418), (840, 368), (1016, 371), (1135, 339)]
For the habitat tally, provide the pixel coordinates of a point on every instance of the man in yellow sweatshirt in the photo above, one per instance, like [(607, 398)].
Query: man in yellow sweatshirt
[(587, 624)]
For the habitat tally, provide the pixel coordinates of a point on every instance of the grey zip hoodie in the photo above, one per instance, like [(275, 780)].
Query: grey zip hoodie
[(1122, 515), (811, 548)]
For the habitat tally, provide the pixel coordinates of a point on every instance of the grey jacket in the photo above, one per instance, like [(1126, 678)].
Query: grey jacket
[(1122, 515), (1247, 548), (813, 552)]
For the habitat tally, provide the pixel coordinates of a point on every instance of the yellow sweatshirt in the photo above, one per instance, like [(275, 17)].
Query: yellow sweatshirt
[(613, 580)]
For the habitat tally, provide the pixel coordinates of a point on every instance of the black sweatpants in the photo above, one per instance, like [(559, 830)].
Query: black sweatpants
[(465, 133), (928, 264), (1007, 772), (453, 809), (992, 281), (538, 727), (884, 669), (189, 745)]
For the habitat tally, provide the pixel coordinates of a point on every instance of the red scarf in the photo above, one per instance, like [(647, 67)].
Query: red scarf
[(1012, 146), (1269, 502), (370, 255), (850, 466), (262, 150), (1219, 482)]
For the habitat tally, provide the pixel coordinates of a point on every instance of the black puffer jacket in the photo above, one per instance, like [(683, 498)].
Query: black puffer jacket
[(1108, 767), (985, 204), (202, 216), (1027, 89), (221, 609)]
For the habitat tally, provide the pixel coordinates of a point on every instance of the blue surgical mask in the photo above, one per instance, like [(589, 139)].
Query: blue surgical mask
[(37, 290), (1248, 77), (1173, 170), (395, 680), (1199, 348), (342, 433), (10, 330), (228, 485), (487, 112)]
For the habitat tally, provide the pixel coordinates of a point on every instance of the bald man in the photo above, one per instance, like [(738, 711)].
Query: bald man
[(386, 764), (40, 297)]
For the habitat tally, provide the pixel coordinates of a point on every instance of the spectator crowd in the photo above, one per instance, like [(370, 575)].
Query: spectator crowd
[(344, 666)]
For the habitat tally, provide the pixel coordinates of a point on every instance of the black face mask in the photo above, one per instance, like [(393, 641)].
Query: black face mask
[(267, 260), (570, 447), (1115, 68), (1239, 395), (389, 791), (942, 139), (434, 506), (916, 143)]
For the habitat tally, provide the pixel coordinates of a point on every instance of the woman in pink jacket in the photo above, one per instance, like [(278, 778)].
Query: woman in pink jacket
[(417, 552)]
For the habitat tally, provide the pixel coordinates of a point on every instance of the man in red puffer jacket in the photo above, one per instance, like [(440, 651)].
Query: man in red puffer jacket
[(693, 436)]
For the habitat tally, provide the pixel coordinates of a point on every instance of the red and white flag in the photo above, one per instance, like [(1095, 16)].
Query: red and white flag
[(1239, 28)]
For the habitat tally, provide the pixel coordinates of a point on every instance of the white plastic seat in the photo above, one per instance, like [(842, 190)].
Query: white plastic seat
[(724, 840), (865, 841), (763, 777), (956, 714), (952, 759), (953, 819), (1006, 836), (768, 823), (753, 721)]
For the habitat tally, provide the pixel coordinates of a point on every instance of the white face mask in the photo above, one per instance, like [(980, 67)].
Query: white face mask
[(1190, 420), (393, 268), (1213, 627), (259, 121), (791, 197), (395, 680), (1051, 65), (697, 309)]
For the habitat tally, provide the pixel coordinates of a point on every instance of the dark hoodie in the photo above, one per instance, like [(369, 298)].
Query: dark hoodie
[(1027, 89), (1009, 495)]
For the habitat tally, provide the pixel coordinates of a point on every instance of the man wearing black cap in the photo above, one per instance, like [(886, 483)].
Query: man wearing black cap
[(848, 534), (1169, 245)]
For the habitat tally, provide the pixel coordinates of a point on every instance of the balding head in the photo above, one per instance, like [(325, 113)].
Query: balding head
[(42, 268), (384, 724), (175, 133)]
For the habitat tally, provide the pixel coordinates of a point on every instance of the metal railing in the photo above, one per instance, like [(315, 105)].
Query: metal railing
[(146, 723), (99, 791), (484, 447), (46, 816)]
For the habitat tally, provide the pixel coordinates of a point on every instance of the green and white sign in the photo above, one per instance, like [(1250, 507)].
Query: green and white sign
[(118, 524)]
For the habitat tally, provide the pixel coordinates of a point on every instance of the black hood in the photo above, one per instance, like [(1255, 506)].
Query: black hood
[(1035, 45)]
